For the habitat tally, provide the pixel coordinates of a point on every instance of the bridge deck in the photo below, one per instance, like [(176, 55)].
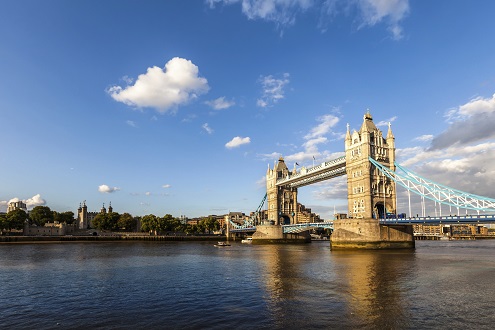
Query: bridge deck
[(321, 172)]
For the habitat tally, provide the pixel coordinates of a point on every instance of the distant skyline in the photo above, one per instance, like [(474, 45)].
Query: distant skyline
[(178, 107)]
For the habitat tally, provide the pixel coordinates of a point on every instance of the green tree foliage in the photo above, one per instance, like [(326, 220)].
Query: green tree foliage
[(64, 217), (3, 221), (149, 223), (126, 222), (106, 221), (41, 215), (15, 219)]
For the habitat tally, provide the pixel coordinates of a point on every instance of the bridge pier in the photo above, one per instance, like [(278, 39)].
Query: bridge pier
[(273, 234), (370, 234)]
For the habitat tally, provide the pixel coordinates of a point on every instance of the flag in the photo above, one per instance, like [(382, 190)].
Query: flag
[(314, 158), (297, 164)]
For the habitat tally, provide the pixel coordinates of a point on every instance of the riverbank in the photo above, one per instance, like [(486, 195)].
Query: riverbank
[(105, 238)]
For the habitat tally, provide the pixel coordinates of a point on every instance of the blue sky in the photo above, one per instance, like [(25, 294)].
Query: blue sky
[(179, 106)]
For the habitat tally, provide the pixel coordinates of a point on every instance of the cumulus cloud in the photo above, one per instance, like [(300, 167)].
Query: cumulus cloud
[(106, 189), (163, 89), (273, 89), (470, 123), (36, 200), (220, 104), (207, 128), (284, 12), (237, 142), (166, 186), (463, 156)]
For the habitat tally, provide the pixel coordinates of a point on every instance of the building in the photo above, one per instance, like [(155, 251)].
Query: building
[(85, 218), (17, 205), (49, 229)]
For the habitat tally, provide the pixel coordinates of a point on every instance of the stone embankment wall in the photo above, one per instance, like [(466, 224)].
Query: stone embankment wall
[(369, 234)]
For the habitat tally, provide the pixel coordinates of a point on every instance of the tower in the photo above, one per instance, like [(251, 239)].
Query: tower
[(282, 200), (82, 216), (110, 208), (370, 193)]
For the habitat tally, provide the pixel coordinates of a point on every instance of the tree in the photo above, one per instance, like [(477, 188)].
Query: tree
[(126, 221), (3, 221), (41, 215), (67, 217), (15, 219), (106, 221), (149, 223)]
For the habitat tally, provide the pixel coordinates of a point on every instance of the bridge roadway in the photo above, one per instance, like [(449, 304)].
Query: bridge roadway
[(455, 219), (451, 219), (321, 172)]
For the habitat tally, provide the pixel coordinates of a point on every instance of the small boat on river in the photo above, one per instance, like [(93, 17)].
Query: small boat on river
[(222, 244), (248, 240)]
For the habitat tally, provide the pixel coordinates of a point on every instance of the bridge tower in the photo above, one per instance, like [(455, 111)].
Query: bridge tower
[(370, 194), (282, 200)]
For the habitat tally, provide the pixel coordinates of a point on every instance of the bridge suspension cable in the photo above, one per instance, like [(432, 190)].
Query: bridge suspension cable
[(434, 191), (252, 221)]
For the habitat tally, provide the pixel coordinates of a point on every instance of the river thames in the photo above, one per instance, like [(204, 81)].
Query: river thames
[(194, 285)]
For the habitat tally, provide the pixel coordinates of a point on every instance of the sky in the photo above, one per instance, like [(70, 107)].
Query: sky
[(179, 107)]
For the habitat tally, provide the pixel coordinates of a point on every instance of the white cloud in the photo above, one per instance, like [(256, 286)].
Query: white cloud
[(166, 186), (36, 200), (386, 122), (220, 104), (163, 89), (237, 141), (207, 128), (423, 138), (273, 89), (147, 193), (128, 80), (106, 189), (463, 156), (327, 122), (315, 137), (284, 12), (392, 11), (469, 123), (131, 123), (272, 156)]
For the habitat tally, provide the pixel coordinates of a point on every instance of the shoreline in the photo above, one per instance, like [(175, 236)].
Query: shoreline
[(78, 239)]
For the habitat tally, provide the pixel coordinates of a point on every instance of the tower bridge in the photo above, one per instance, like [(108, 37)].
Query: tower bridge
[(369, 163)]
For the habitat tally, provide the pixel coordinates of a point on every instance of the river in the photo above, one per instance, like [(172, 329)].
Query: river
[(194, 285)]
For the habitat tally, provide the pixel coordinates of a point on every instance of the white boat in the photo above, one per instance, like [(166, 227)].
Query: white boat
[(221, 244), (248, 240)]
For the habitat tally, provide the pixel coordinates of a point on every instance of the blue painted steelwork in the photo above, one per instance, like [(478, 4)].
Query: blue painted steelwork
[(250, 224), (456, 219), (436, 192), (300, 227)]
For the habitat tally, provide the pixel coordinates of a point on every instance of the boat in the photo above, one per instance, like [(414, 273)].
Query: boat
[(248, 240), (221, 244)]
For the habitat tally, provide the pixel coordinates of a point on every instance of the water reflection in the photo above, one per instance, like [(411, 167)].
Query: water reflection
[(376, 286), (337, 288)]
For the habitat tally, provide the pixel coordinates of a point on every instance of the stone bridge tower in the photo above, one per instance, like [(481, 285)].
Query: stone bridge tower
[(282, 201), (370, 193)]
